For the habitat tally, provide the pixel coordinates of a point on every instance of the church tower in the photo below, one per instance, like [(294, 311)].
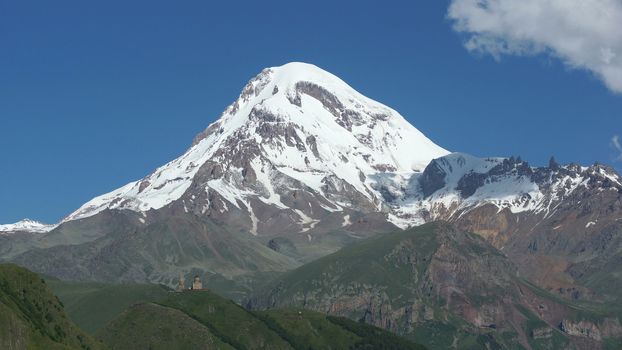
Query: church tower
[(181, 286), (196, 284)]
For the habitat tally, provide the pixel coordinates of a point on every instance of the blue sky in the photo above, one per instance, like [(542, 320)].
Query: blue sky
[(93, 96)]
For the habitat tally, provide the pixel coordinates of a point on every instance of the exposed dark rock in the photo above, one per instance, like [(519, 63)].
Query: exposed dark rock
[(143, 184), (469, 183), (213, 128), (312, 143), (433, 177), (384, 167)]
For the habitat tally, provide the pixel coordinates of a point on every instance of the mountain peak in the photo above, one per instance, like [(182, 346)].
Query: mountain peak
[(295, 124), (302, 71), (317, 101), (291, 73), (26, 225)]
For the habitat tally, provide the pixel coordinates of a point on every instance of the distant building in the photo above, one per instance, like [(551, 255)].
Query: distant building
[(196, 284), (181, 286)]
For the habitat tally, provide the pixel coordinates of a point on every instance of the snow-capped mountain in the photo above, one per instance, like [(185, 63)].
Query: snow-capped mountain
[(26, 225), (455, 184), (300, 149), (293, 128)]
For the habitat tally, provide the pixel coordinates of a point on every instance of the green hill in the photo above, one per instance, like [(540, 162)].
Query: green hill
[(92, 305), (151, 326), (192, 320), (305, 329), (31, 317), (227, 319)]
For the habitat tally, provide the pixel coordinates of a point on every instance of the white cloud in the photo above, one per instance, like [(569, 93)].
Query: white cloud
[(584, 34), (615, 143)]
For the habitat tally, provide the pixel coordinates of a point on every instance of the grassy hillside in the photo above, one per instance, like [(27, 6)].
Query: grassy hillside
[(31, 317), (151, 326), (194, 320), (228, 320), (92, 305), (305, 329)]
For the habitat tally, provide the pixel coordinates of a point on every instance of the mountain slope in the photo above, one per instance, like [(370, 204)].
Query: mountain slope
[(437, 280), (160, 252), (31, 317)]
